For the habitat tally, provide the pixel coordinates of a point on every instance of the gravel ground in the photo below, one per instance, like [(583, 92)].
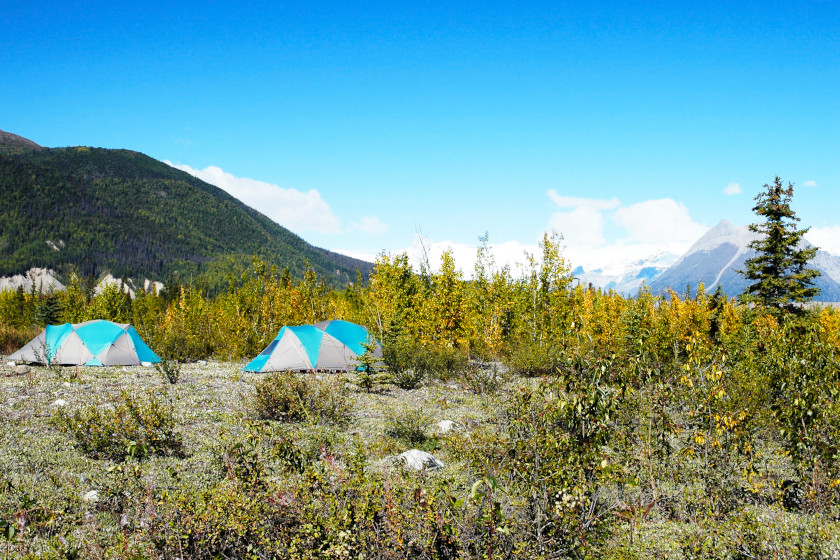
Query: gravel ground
[(213, 401)]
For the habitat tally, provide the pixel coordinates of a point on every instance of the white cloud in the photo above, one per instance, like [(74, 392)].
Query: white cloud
[(653, 227), (732, 188), (583, 225), (653, 230), (809, 184), (293, 209), (574, 202), (826, 238), (370, 225), (662, 221)]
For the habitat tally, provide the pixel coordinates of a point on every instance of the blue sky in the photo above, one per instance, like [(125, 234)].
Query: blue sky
[(630, 128)]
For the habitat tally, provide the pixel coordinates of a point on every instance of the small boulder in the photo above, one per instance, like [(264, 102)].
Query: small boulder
[(146, 364), (202, 362), (91, 497), (59, 402), (21, 370), (445, 426), (420, 460)]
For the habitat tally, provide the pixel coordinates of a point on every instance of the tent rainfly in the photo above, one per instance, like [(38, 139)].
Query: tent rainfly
[(92, 343), (329, 346)]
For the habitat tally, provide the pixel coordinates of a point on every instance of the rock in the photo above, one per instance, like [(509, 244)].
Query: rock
[(202, 362), (420, 460), (59, 402), (445, 426), (21, 370), (91, 497), (146, 364)]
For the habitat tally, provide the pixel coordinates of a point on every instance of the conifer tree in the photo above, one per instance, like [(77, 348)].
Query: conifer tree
[(779, 274)]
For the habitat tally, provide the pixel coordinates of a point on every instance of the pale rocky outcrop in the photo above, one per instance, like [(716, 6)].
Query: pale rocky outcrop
[(420, 460), (42, 279)]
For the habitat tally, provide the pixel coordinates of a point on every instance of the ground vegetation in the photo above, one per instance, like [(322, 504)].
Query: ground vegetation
[(571, 423)]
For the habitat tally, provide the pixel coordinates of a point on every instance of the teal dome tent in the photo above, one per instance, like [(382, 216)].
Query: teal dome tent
[(92, 343), (327, 346)]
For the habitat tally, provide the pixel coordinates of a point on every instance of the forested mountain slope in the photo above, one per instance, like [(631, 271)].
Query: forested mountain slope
[(92, 210)]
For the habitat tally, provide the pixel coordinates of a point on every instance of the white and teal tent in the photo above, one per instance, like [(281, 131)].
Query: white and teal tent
[(92, 343), (328, 346)]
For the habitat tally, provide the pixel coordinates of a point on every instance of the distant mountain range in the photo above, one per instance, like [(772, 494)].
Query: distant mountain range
[(635, 275), (713, 261), (96, 211)]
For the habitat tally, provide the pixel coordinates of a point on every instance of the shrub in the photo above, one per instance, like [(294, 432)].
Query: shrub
[(287, 397), (398, 356), (12, 338), (407, 424), (408, 378), (170, 370), (481, 378), (370, 372), (134, 424), (217, 521), (410, 363), (263, 450), (555, 459), (533, 359)]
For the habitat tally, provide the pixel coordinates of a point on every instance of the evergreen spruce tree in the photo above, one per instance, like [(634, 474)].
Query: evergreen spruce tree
[(780, 276)]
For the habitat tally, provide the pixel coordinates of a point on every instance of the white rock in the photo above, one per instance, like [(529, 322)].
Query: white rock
[(146, 364), (21, 370), (10, 364), (202, 362), (446, 426), (59, 402), (420, 460), (91, 497)]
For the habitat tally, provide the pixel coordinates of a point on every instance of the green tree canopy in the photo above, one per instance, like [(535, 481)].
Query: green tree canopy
[(780, 276)]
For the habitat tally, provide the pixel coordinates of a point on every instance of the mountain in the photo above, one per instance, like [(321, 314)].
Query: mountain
[(12, 143), (717, 256), (626, 278), (95, 211)]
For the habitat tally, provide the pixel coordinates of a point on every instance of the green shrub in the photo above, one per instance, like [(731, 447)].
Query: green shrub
[(170, 370), (12, 338), (408, 379), (533, 359), (804, 377), (370, 373), (133, 424), (398, 355), (555, 460), (287, 397), (408, 425), (410, 363), (217, 521), (264, 451), (482, 378)]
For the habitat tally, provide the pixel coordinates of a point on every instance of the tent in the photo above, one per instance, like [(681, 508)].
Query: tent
[(92, 343), (330, 345)]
